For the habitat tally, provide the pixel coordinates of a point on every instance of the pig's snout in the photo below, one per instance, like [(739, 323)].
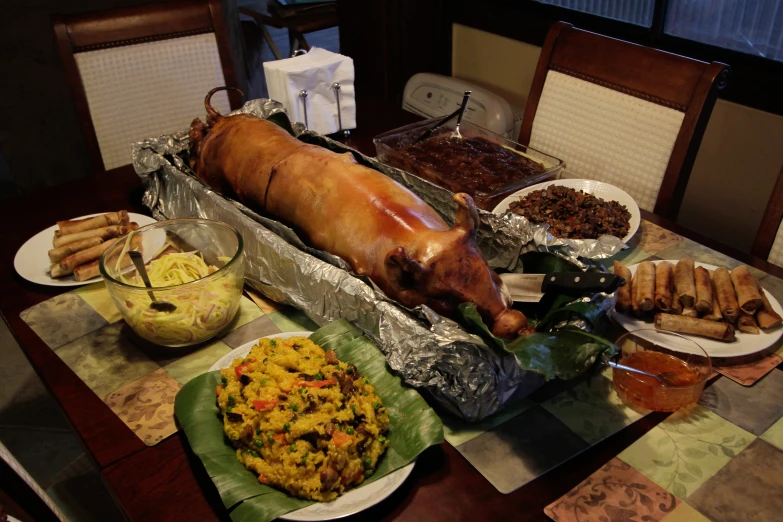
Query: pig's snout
[(510, 324)]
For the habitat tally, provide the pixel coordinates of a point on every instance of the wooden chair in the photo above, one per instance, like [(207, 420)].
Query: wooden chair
[(20, 494), (769, 238), (140, 72), (621, 113)]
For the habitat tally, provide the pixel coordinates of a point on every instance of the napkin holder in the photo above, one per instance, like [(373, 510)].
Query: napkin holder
[(336, 87), (326, 80)]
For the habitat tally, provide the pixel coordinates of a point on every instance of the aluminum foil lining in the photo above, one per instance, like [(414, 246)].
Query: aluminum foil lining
[(428, 351)]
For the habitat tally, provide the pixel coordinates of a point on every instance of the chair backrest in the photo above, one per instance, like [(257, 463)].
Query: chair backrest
[(769, 238), (143, 71), (621, 113)]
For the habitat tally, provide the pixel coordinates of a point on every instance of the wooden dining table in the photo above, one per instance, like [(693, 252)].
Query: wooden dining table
[(166, 482)]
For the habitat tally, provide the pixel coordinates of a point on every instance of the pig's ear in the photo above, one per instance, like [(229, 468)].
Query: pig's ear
[(467, 217), (403, 270)]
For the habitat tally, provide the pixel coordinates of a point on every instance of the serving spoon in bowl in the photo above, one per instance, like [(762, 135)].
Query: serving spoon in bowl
[(138, 261), (665, 378)]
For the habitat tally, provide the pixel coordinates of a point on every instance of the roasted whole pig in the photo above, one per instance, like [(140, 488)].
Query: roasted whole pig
[(382, 229)]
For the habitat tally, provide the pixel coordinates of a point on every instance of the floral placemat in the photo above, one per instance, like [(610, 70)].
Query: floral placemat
[(136, 379), (719, 460), (747, 374)]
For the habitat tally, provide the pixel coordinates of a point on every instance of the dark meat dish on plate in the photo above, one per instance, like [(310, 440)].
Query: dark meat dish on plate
[(573, 214)]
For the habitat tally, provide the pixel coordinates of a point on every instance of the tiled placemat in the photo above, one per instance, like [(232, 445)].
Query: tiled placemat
[(698, 464), (541, 432), (719, 460), (135, 378)]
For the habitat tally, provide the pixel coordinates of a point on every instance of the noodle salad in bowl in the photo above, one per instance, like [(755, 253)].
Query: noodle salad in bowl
[(196, 265)]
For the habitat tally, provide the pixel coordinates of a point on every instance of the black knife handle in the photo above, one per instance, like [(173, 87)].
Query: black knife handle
[(581, 282)]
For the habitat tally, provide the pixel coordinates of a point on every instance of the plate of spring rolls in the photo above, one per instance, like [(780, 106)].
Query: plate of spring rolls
[(726, 311), (68, 253)]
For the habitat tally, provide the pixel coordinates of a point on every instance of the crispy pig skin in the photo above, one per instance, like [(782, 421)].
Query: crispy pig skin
[(382, 229)]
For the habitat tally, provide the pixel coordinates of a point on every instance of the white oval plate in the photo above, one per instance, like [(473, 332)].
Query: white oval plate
[(32, 259), (355, 500), (745, 344), (599, 189)]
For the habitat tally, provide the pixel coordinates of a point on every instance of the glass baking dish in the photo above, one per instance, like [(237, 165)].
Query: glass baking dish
[(389, 145)]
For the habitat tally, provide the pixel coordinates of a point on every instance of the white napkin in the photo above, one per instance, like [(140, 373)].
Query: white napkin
[(315, 72)]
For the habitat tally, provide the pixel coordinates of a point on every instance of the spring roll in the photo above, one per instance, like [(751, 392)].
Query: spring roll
[(104, 233), (715, 315), (689, 312), (766, 316), (701, 277), (634, 296), (747, 289), (87, 271), (645, 275), (84, 256), (56, 271), (80, 225), (676, 307), (724, 291), (663, 286), (684, 283), (624, 299), (747, 323), (57, 254), (689, 325)]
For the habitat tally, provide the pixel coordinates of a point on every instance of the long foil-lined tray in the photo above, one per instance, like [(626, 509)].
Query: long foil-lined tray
[(428, 351)]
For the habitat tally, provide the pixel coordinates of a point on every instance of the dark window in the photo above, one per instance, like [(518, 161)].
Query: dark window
[(745, 34), (749, 26), (631, 11)]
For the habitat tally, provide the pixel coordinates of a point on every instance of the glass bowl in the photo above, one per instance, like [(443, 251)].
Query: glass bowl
[(389, 148), (204, 306), (659, 351)]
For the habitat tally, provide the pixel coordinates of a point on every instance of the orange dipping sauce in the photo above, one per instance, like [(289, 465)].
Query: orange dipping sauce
[(648, 392)]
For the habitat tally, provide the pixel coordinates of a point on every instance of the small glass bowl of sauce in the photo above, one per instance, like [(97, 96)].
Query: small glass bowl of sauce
[(686, 363)]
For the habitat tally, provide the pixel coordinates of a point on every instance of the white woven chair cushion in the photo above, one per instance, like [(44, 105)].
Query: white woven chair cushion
[(149, 89), (776, 253), (605, 135)]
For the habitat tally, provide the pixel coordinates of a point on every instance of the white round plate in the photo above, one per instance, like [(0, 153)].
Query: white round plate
[(32, 259), (745, 344), (355, 500), (599, 189)]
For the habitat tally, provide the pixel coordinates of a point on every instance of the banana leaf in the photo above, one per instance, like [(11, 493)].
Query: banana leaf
[(413, 428), (552, 352), (563, 353)]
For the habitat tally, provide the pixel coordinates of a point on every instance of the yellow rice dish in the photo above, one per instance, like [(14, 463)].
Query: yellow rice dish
[(302, 420)]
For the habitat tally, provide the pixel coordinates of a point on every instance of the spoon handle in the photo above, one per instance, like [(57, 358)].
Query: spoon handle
[(138, 261), (632, 369), (465, 98)]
